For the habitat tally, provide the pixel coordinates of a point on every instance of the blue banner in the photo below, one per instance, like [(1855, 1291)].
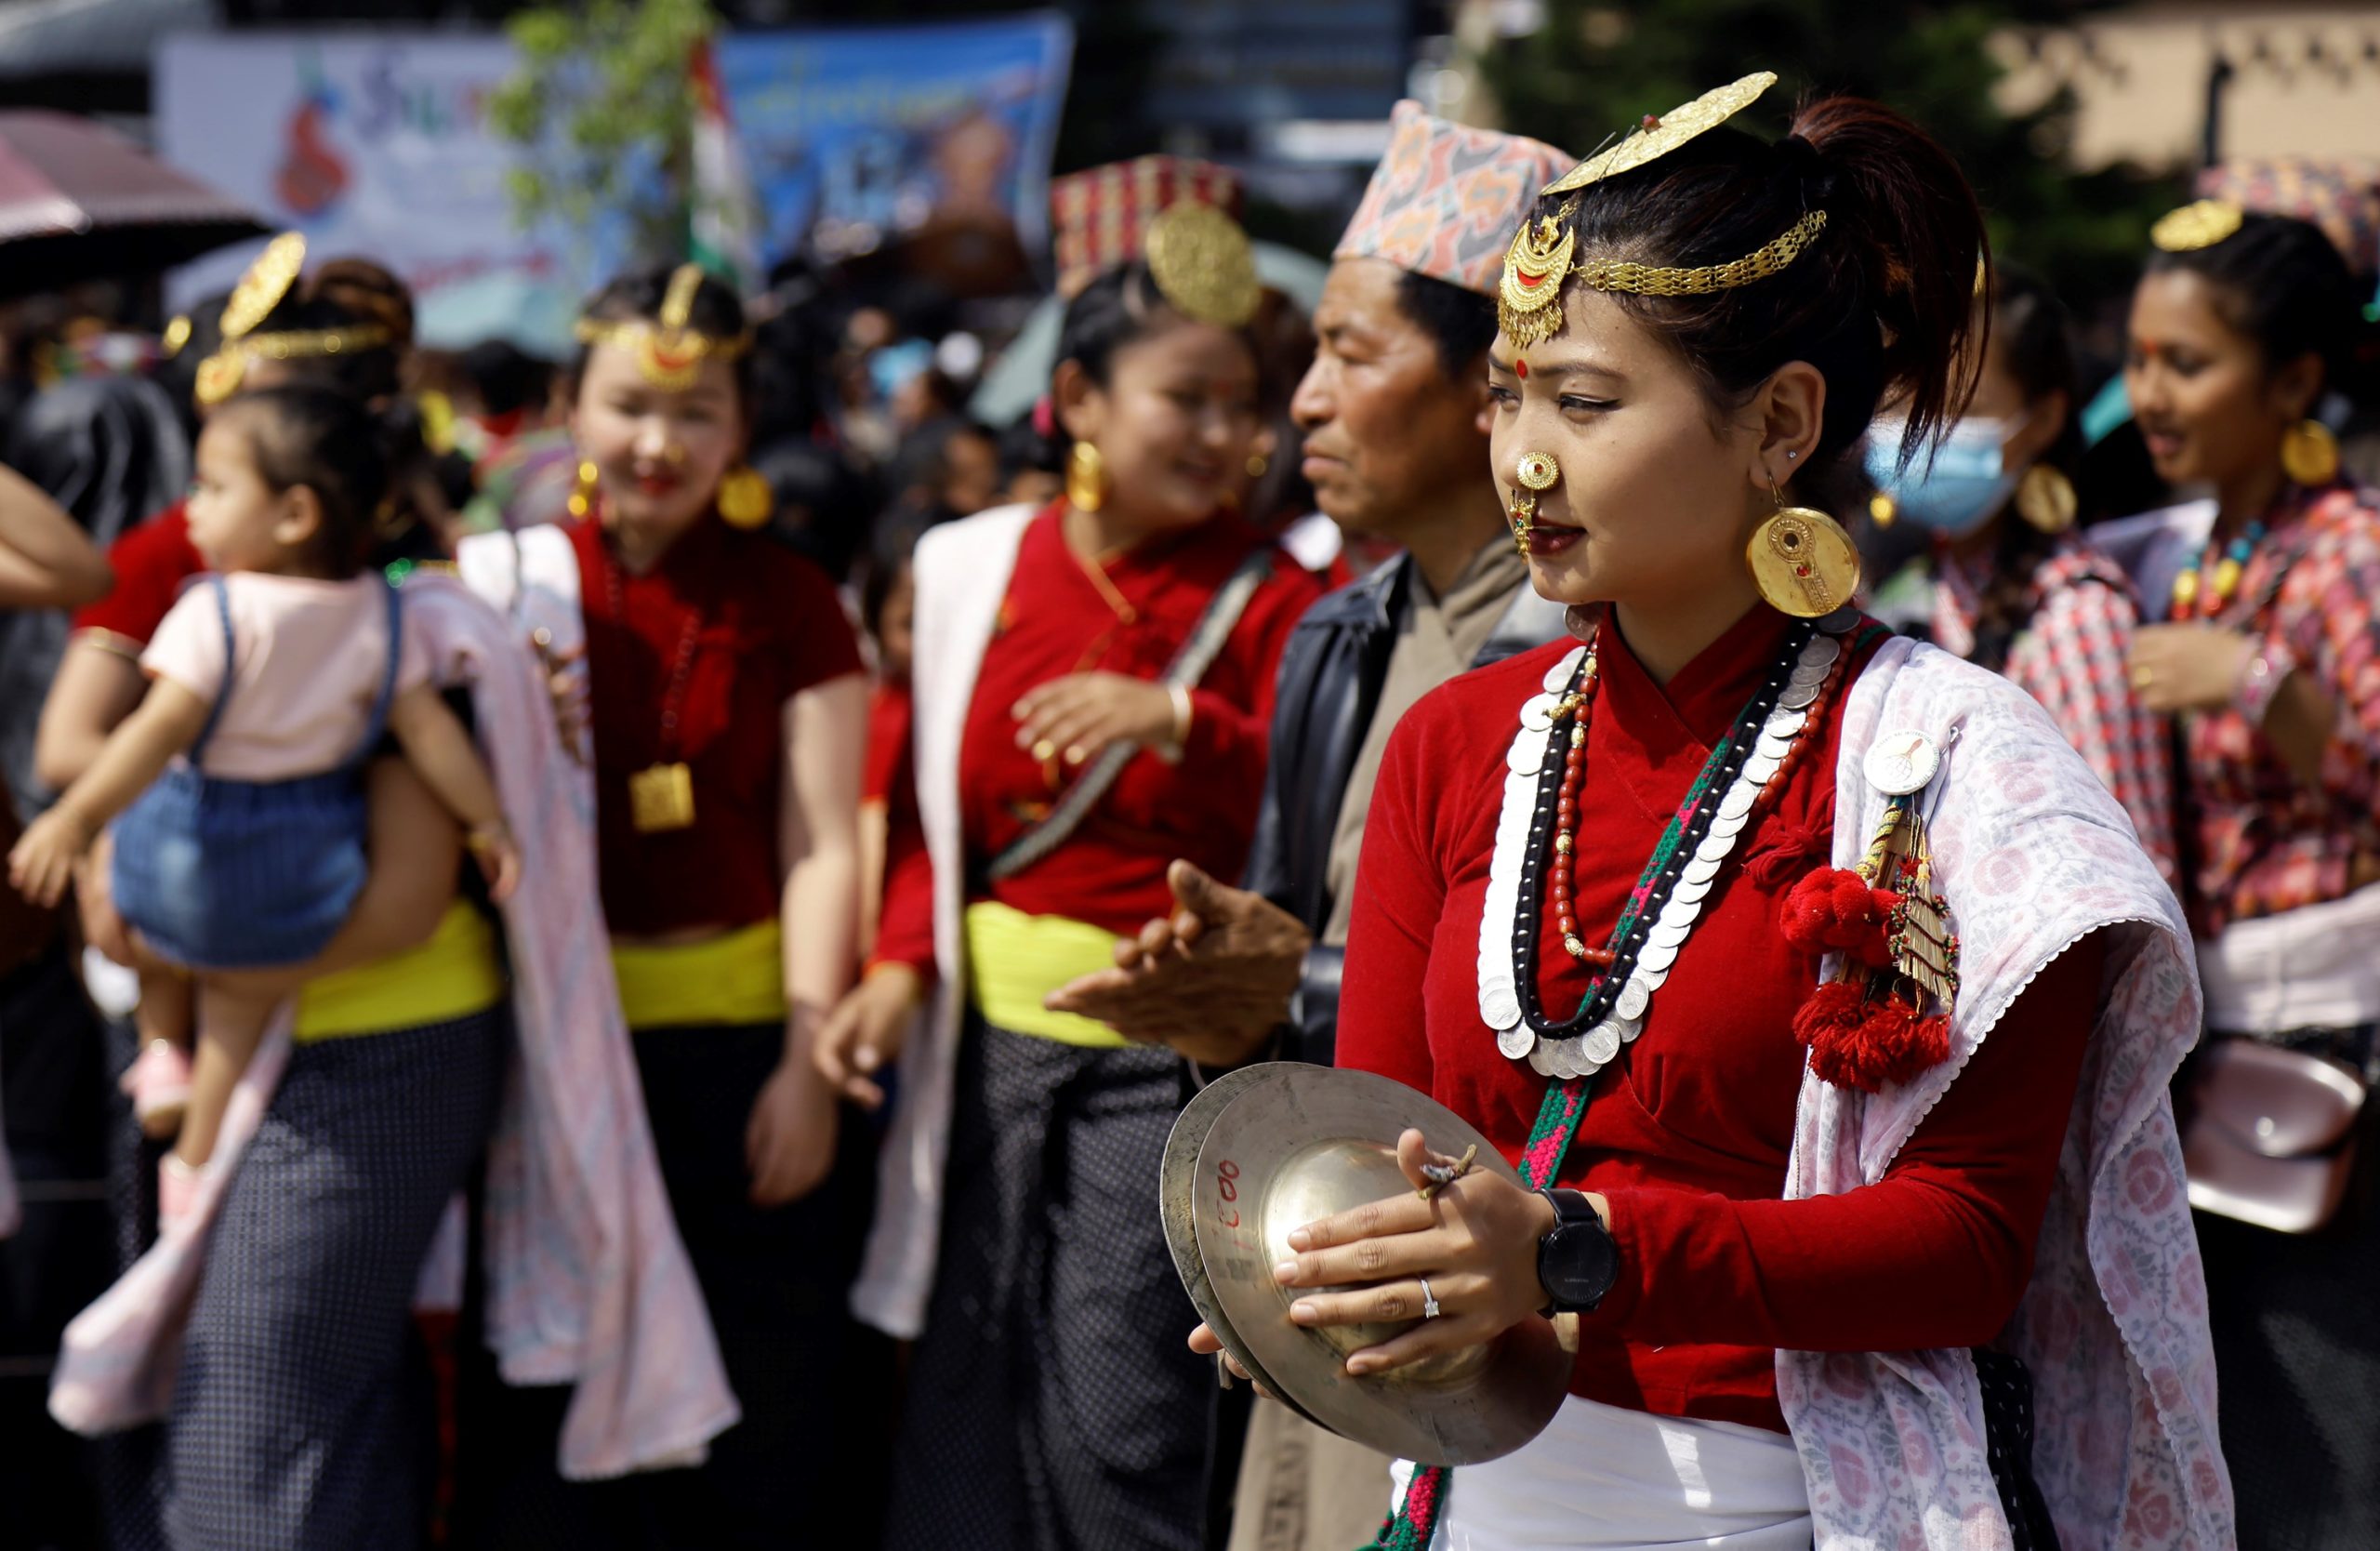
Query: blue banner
[(858, 137)]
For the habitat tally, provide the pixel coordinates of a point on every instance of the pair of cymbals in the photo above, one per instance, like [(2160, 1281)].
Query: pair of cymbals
[(1268, 1148)]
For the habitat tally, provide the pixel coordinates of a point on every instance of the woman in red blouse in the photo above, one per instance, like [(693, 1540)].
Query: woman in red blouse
[(726, 712), (2270, 664), (1594, 894), (304, 1313), (1092, 682)]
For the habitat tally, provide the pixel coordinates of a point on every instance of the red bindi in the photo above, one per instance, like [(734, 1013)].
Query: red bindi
[(1520, 369)]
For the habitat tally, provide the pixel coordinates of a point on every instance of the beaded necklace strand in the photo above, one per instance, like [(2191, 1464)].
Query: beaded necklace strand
[(2208, 589), (1533, 861)]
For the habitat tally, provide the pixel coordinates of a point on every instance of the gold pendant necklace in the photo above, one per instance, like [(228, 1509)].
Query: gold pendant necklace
[(661, 795)]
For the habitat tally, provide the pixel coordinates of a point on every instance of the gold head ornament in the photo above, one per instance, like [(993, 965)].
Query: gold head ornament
[(263, 288), (1538, 265), (1203, 265), (2201, 223), (1529, 296), (670, 351), (267, 280), (1543, 255), (1662, 135)]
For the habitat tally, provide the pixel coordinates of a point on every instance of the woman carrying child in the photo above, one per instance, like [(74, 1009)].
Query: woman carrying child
[(290, 1427)]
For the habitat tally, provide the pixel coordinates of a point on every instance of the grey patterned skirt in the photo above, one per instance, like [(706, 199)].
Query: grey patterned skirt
[(296, 1426), (1053, 1402)]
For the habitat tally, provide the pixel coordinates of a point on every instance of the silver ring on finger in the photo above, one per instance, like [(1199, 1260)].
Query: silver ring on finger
[(1429, 1301)]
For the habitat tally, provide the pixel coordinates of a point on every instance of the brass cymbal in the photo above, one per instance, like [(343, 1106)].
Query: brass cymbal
[(1177, 1174), (1284, 1145)]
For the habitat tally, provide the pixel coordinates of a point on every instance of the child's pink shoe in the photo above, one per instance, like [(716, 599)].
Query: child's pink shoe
[(158, 1080), (177, 1192)]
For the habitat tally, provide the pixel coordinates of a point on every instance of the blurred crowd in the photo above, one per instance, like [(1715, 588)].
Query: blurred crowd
[(884, 689)]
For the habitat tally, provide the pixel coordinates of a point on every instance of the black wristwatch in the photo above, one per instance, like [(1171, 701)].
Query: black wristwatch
[(1578, 1262)]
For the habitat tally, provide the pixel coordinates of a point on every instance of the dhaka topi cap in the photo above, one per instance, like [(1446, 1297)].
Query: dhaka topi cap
[(1446, 199)]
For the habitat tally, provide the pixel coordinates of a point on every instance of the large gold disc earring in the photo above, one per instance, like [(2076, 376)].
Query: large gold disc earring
[(1803, 561), (1086, 477), (582, 494), (2045, 498), (1534, 473), (2310, 453), (745, 499)]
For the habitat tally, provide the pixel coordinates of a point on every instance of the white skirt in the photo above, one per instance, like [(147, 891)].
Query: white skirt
[(2315, 967), (1604, 1478)]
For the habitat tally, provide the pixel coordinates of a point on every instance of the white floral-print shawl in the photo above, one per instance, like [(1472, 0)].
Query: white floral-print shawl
[(2032, 854)]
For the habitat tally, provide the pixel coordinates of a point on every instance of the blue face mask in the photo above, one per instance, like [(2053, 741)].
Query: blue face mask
[(1958, 491)]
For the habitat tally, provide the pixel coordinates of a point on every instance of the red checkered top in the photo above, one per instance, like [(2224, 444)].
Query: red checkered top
[(2079, 614), (2261, 841)]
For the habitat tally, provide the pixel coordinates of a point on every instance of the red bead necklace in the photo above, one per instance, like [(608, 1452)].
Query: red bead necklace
[(1559, 879), (1566, 820)]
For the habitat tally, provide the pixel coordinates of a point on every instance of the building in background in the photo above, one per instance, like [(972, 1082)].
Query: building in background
[(2177, 84)]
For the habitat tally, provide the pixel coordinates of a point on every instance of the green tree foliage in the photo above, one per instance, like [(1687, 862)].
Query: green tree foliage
[(603, 103), (1598, 66)]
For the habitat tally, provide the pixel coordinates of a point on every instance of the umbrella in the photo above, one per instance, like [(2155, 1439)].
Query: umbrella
[(79, 202)]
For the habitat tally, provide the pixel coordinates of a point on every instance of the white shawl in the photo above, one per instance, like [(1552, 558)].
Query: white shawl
[(2033, 856), (961, 571)]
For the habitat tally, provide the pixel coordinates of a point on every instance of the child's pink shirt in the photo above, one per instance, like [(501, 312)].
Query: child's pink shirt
[(309, 655)]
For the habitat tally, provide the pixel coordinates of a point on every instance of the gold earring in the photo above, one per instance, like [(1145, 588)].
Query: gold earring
[(582, 496), (1802, 560), (2045, 498), (745, 499), (2310, 453), (1257, 464), (1086, 477), (1534, 473)]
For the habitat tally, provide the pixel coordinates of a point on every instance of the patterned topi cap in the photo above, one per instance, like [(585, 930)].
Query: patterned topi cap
[(1100, 218), (2341, 195), (1445, 200)]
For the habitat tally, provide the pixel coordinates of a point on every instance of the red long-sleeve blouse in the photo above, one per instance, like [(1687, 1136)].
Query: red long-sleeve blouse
[(151, 562), (1057, 620), (694, 660), (1688, 1135)]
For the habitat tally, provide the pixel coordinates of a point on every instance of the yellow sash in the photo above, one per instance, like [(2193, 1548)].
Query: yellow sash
[(1014, 960), (454, 974), (735, 977)]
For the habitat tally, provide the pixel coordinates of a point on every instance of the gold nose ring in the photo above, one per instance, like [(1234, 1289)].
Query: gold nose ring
[(1535, 471)]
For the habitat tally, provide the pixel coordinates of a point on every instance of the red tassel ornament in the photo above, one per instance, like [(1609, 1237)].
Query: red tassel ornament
[(1837, 910), (1880, 1043), (1832, 1014)]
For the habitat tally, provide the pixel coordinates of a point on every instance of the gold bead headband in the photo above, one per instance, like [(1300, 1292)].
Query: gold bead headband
[(670, 351), (220, 375), (1527, 300)]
